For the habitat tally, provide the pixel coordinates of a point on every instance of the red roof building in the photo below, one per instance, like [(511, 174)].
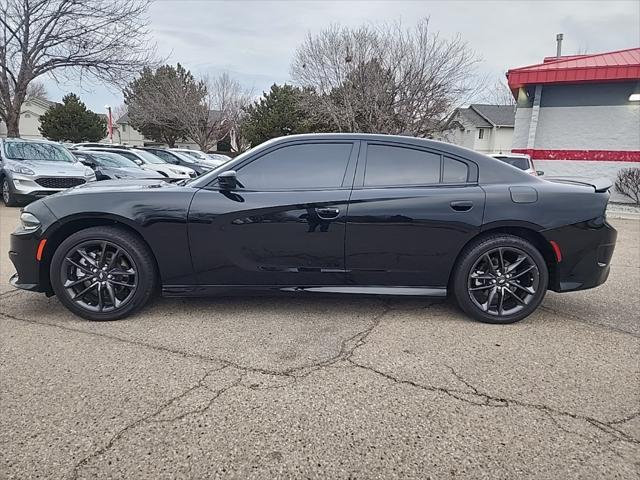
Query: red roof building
[(579, 108)]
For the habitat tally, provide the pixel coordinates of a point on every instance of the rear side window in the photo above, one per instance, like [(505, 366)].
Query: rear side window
[(298, 167), (389, 165), (454, 171)]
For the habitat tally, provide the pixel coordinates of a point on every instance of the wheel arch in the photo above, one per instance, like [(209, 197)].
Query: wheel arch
[(525, 231), (56, 234)]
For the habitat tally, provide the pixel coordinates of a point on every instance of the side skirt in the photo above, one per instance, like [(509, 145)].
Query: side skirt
[(213, 290)]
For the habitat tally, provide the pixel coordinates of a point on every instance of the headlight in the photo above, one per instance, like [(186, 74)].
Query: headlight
[(29, 222), (88, 172), (22, 170), (179, 172)]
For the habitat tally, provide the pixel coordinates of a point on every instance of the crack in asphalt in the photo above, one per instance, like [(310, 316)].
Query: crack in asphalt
[(348, 348), (576, 318), (488, 400), (100, 451), (344, 353)]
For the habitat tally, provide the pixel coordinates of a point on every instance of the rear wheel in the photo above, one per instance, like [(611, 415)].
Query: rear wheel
[(103, 273), (8, 197), (500, 279)]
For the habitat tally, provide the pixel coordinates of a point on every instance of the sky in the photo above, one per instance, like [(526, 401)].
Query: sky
[(254, 41)]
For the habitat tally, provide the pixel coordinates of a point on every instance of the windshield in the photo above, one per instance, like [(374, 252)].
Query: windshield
[(194, 154), (113, 160), (50, 152), (149, 157), (219, 156), (519, 162)]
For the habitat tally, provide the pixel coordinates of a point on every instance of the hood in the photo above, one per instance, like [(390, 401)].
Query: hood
[(133, 185), (53, 169)]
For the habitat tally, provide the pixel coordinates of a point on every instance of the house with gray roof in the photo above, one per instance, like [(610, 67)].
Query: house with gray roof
[(480, 127)]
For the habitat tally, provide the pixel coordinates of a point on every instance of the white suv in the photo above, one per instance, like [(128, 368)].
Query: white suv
[(35, 168)]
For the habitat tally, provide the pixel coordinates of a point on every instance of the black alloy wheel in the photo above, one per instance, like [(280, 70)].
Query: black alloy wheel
[(501, 279), (103, 273)]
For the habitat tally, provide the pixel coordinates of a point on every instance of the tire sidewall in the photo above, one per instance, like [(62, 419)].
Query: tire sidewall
[(134, 248), (467, 261), (5, 186)]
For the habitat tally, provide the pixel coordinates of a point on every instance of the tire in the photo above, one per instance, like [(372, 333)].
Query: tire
[(8, 196), (123, 286), (518, 285)]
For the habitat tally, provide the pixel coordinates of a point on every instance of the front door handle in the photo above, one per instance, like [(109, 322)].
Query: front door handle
[(462, 205), (327, 213)]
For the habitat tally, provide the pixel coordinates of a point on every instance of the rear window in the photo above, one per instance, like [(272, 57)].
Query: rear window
[(389, 165), (454, 171), (518, 162)]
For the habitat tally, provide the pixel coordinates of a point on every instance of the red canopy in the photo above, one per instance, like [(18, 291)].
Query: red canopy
[(610, 66)]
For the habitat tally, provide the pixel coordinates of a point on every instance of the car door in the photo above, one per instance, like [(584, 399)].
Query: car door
[(285, 222), (411, 211)]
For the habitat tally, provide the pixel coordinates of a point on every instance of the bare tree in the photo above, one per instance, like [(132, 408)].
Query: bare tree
[(498, 94), (36, 89), (386, 79), (102, 39), (218, 114)]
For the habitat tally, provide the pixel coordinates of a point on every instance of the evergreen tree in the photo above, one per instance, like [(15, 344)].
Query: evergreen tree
[(277, 113), (72, 122)]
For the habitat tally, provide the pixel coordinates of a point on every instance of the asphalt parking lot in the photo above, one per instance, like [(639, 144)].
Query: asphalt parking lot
[(332, 387)]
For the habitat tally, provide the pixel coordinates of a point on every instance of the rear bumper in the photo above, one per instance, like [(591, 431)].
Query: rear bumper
[(586, 250)]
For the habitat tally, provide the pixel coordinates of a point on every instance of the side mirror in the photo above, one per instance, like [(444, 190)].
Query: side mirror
[(539, 173), (138, 162), (227, 180)]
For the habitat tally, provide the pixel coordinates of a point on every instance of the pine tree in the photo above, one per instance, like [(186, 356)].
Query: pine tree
[(71, 121), (277, 113)]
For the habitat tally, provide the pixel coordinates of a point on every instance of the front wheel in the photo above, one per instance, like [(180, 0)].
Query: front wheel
[(8, 197), (103, 273), (500, 279)]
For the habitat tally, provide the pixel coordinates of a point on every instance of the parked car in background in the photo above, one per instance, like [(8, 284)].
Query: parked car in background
[(36, 168), (111, 166), (214, 160), (178, 158), (325, 213), (518, 160), (149, 161), (98, 145)]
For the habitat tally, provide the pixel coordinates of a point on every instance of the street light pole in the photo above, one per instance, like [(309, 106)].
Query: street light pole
[(109, 124)]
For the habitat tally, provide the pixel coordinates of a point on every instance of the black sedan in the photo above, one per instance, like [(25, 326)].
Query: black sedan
[(111, 166), (341, 213)]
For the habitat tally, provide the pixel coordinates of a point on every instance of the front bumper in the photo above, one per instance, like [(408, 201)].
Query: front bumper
[(28, 186), (32, 274), (586, 250), (22, 253)]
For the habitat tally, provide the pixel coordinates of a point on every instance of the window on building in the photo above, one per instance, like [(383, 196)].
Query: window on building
[(480, 133), (388, 165), (124, 128), (26, 115)]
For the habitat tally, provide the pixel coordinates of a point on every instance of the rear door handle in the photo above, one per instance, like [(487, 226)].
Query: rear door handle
[(462, 205), (327, 213)]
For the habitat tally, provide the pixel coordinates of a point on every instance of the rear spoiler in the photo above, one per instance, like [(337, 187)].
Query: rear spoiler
[(600, 184)]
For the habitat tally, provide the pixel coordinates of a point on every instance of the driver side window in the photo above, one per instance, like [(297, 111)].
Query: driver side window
[(306, 166)]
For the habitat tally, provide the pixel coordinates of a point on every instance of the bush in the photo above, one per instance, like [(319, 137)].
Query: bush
[(628, 183)]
